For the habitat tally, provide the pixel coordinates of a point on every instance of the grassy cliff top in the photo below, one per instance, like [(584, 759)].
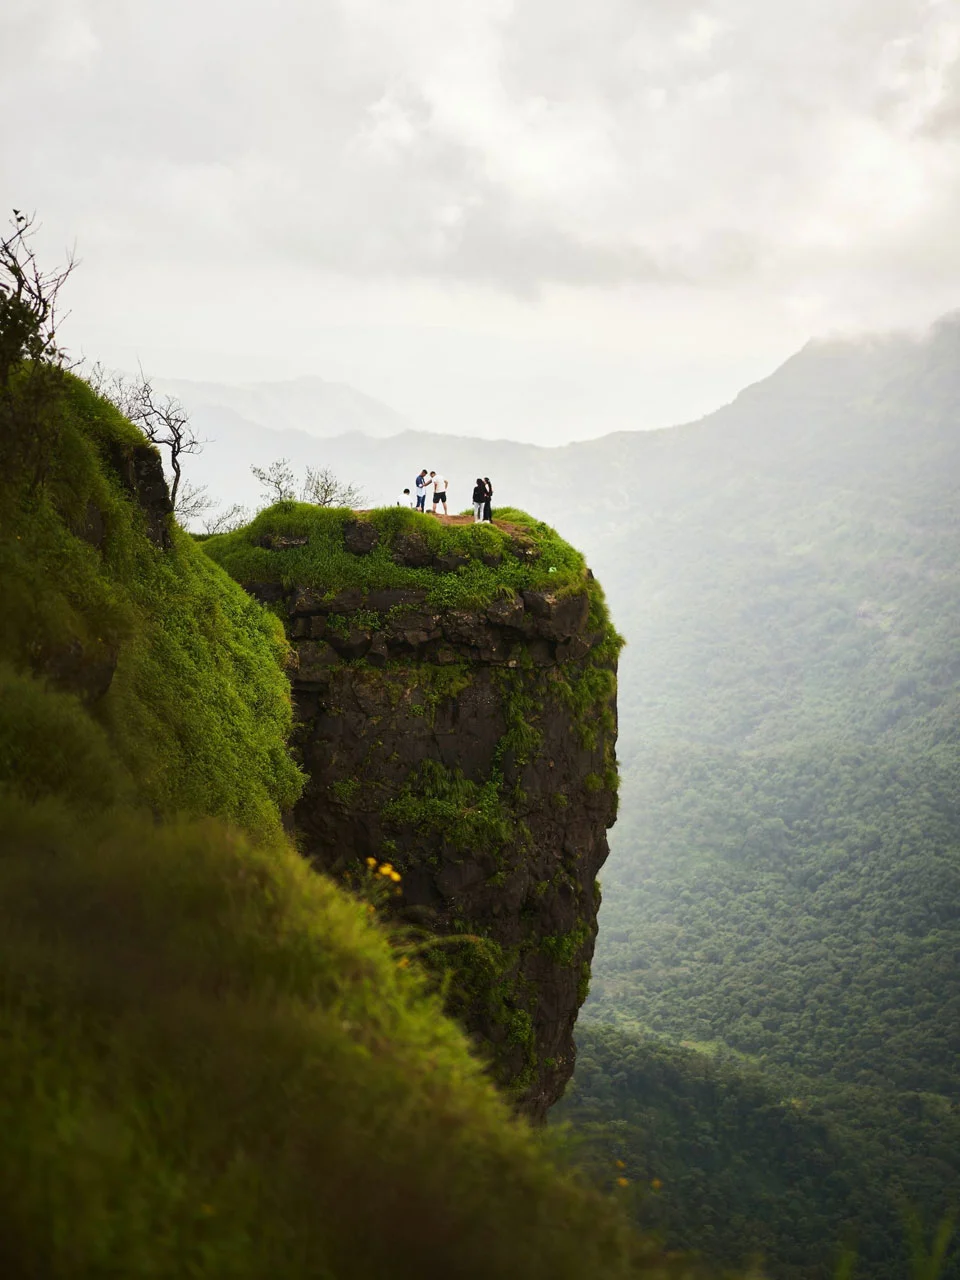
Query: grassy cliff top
[(459, 565)]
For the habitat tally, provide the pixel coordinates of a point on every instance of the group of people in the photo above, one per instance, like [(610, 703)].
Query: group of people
[(432, 482)]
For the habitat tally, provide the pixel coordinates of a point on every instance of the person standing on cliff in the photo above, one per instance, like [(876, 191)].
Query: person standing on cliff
[(439, 493), (479, 499), (488, 498), (421, 485)]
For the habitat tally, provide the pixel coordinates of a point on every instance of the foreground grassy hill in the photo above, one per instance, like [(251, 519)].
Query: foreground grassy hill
[(213, 1062)]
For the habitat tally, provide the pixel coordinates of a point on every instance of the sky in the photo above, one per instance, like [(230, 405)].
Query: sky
[(533, 219)]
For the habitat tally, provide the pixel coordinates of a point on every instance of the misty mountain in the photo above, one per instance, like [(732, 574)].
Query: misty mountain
[(784, 879), (311, 405)]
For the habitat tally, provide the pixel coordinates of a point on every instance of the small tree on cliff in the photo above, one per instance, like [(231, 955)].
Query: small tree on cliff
[(29, 352), (165, 423), (320, 486)]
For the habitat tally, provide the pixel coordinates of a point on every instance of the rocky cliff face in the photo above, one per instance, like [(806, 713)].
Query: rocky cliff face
[(469, 749)]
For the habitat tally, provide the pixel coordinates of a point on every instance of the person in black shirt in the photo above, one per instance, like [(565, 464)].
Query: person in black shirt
[(488, 498), (479, 499)]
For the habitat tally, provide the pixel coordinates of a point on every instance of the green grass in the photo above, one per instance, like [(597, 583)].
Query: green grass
[(198, 709), (324, 563), (212, 1063)]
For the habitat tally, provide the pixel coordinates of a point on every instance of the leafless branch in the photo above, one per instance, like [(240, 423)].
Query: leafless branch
[(28, 299), (277, 481), (227, 520), (162, 419), (323, 488)]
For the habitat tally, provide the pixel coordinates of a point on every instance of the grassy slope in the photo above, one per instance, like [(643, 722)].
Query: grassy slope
[(212, 1062)]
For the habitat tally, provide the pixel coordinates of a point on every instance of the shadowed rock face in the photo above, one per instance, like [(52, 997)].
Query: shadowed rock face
[(473, 751)]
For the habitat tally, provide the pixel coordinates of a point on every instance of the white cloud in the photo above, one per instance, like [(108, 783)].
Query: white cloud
[(797, 161)]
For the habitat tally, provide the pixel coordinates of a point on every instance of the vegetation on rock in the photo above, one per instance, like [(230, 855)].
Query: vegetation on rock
[(452, 682)]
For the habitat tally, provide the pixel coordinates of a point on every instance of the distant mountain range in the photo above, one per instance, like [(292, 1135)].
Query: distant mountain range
[(822, 399), (312, 405)]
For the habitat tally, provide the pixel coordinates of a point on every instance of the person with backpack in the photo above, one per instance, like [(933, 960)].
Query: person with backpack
[(479, 500), (421, 484)]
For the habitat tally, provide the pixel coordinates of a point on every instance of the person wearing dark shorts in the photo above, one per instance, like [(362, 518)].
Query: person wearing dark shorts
[(439, 494)]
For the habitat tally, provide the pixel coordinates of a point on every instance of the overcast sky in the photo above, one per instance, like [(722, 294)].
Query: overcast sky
[(543, 219)]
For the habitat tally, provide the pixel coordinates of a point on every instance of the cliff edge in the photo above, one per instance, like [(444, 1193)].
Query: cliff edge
[(455, 695)]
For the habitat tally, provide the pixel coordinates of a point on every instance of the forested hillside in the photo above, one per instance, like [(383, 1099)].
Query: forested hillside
[(784, 887)]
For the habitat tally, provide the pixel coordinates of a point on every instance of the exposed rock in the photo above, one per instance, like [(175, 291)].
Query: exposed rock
[(92, 528), (413, 551), (466, 768), (140, 471), (451, 561), (360, 537), (267, 592), (524, 548), (314, 659), (279, 541)]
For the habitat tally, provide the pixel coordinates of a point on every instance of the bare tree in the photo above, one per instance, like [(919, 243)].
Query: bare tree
[(277, 481), (193, 501), (32, 365), (323, 488), (320, 486), (28, 300), (227, 520), (165, 423)]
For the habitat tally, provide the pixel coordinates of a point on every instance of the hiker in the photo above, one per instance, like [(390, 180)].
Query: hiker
[(479, 500), (405, 500), (487, 512), (439, 492), (421, 484)]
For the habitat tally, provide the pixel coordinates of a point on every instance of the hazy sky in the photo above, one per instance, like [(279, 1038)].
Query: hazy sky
[(543, 219)]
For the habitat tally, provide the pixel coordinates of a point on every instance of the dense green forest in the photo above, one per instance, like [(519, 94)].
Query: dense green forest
[(784, 887)]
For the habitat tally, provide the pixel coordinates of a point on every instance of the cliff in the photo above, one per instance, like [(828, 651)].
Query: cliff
[(455, 716), (213, 1061)]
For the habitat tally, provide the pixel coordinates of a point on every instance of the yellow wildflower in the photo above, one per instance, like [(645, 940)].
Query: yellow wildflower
[(403, 962), (371, 862), (656, 1184), (623, 1182), (620, 1164)]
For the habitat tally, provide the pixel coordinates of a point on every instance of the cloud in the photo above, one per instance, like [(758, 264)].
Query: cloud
[(509, 144), (517, 216)]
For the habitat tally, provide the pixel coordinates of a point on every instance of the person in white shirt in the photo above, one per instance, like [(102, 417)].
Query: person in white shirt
[(439, 493), (422, 484), (405, 500)]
